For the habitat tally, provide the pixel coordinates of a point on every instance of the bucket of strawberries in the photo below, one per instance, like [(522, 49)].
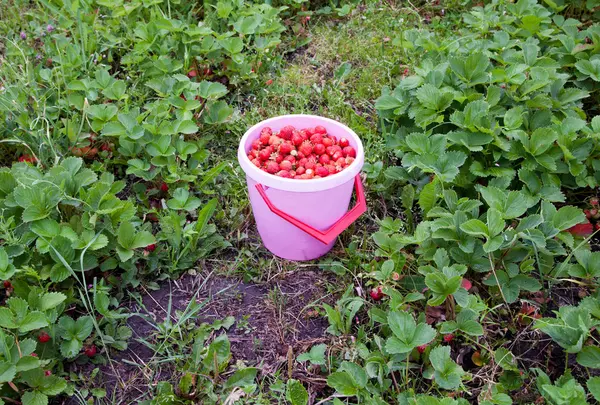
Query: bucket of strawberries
[(301, 172)]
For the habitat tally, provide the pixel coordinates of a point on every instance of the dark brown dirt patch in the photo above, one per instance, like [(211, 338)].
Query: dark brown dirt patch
[(270, 320)]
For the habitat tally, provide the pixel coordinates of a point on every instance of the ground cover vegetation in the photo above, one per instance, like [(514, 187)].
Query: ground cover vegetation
[(132, 271)]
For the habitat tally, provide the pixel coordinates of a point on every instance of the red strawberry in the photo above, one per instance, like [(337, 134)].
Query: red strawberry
[(421, 349), (448, 338), (269, 82), (376, 293), (316, 138), (593, 212), (275, 140), (343, 142), (256, 144), (324, 159), (272, 167), (349, 151), (319, 149), (7, 284), (90, 351), (466, 284), (310, 164), (291, 159), (300, 170), (27, 158), (583, 230), (284, 173), (151, 247), (43, 337), (164, 187), (341, 162), (320, 129), (594, 202), (34, 354), (321, 171), (297, 139), (327, 142), (306, 148), (587, 213), (192, 73), (285, 148), (47, 373), (337, 155), (264, 154), (285, 165), (286, 132), (264, 137)]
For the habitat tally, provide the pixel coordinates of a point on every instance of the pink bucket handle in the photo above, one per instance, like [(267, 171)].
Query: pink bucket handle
[(340, 226)]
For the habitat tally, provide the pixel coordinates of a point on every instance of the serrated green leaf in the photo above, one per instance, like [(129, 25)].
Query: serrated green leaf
[(34, 398), (51, 300), (566, 217)]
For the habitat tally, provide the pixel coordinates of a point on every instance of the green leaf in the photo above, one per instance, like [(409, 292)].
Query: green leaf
[(129, 238), (387, 102), (432, 98), (407, 334), (342, 383), (51, 300), (505, 359), (590, 68), (183, 201), (316, 355), (211, 90), (593, 385), (295, 392), (471, 69), (428, 196), (7, 371), (53, 385), (83, 327), (541, 140), (589, 356), (27, 363), (7, 319), (32, 321), (70, 348), (566, 217), (34, 398), (474, 227), (187, 127), (218, 112), (241, 378), (447, 373)]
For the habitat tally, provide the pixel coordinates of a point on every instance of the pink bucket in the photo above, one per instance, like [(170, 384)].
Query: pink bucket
[(301, 219)]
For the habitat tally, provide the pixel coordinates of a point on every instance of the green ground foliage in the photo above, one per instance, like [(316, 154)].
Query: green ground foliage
[(125, 227)]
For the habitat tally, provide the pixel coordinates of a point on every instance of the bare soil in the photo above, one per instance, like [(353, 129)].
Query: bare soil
[(273, 320)]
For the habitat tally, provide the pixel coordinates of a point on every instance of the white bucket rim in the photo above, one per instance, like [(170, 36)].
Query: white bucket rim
[(296, 185)]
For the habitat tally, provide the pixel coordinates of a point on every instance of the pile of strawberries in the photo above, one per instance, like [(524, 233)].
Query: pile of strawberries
[(309, 153)]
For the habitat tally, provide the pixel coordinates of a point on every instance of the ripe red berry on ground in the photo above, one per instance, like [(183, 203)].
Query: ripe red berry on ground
[(43, 337), (308, 153), (90, 351), (376, 294), (7, 284), (448, 338)]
